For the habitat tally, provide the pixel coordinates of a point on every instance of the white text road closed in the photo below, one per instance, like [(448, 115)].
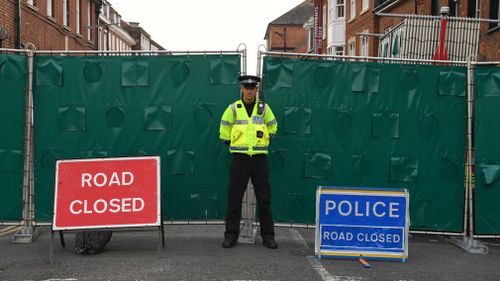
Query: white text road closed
[(367, 222), (102, 193)]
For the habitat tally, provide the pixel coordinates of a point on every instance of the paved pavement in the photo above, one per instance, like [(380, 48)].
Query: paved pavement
[(194, 252)]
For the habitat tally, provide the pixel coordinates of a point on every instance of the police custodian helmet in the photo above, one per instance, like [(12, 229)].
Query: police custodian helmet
[(249, 81)]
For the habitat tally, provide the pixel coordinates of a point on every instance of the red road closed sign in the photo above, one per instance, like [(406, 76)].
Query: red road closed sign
[(107, 193)]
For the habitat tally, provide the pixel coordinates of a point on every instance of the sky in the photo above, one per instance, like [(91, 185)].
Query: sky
[(206, 25)]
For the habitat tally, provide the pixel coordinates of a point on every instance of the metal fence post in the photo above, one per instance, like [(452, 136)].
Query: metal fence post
[(248, 230), (467, 242), (28, 231)]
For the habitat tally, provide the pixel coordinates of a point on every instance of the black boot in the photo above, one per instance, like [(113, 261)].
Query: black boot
[(228, 243), (270, 243)]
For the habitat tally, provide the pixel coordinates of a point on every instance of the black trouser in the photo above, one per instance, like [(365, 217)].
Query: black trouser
[(244, 167)]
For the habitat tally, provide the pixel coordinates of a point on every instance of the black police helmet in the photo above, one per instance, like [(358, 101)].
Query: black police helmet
[(249, 81)]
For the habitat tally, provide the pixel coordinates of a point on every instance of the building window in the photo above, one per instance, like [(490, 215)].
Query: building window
[(340, 9), (31, 2), (339, 50), (353, 9), (106, 41), (310, 35), (364, 46), (435, 5), (494, 13), (89, 22), (471, 8), (454, 8), (331, 9), (78, 16), (66, 12), (352, 48), (50, 8), (323, 28), (364, 5), (336, 50), (105, 10)]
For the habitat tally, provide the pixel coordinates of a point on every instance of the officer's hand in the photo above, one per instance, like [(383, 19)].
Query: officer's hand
[(226, 142), (272, 137)]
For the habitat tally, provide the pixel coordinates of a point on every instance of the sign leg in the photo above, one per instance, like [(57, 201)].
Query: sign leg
[(61, 238), (51, 247)]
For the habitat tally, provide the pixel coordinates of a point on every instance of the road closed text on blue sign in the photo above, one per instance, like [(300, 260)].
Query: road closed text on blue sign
[(368, 222)]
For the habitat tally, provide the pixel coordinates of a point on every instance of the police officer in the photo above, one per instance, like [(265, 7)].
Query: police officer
[(247, 126)]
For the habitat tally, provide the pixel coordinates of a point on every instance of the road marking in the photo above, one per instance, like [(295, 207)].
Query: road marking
[(316, 265), (59, 279), (298, 238), (9, 229), (325, 275)]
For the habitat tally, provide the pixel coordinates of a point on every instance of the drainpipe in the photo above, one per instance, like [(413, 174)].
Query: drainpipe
[(18, 24)]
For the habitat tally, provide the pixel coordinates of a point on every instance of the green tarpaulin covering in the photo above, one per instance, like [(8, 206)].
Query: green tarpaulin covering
[(368, 125), (139, 105), (13, 77), (487, 150)]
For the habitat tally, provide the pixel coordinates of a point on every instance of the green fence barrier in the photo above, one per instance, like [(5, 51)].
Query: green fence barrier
[(139, 105), (345, 124), (13, 73), (368, 124), (487, 151)]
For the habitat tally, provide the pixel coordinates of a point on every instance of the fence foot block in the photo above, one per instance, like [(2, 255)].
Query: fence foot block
[(247, 234), (26, 235), (469, 245)]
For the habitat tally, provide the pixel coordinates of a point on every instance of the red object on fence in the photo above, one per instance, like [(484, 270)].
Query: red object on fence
[(441, 53)]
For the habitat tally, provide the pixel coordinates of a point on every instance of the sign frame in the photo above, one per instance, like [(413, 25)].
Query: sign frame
[(157, 223), (356, 252)]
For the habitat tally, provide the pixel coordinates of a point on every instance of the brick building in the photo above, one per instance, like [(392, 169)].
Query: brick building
[(287, 33), (49, 24), (361, 19), (142, 38), (112, 35), (65, 25)]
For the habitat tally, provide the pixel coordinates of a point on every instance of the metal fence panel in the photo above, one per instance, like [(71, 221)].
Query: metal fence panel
[(139, 105), (487, 152), (13, 75), (368, 124)]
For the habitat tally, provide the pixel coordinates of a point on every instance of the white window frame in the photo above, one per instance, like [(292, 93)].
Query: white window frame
[(310, 41), (331, 10), (78, 17), (353, 9), (338, 50), (491, 26), (31, 2), (106, 41), (340, 9), (364, 46), (89, 20), (324, 24), (65, 11), (50, 10), (364, 5), (352, 48), (105, 9)]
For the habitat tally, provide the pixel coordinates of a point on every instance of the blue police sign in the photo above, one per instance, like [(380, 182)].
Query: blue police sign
[(372, 223)]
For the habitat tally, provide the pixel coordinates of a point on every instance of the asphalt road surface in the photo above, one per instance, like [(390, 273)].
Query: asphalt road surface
[(194, 252)]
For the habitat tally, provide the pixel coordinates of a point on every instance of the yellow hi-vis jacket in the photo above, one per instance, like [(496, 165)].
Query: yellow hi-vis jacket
[(248, 135)]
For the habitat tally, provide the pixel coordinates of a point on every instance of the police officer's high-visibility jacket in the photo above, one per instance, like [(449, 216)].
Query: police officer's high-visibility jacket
[(248, 135)]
